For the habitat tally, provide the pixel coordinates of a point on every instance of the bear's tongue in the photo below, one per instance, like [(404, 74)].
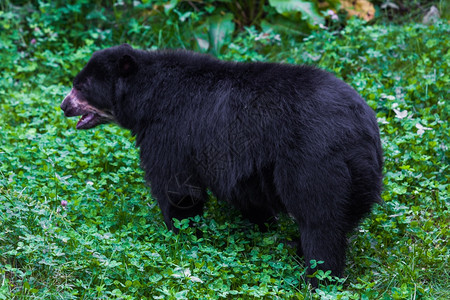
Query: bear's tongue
[(85, 119)]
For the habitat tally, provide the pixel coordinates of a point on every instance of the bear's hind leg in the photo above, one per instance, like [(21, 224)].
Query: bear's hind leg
[(315, 196), (322, 242)]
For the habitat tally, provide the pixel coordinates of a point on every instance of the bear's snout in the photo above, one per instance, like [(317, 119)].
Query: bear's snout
[(71, 105), (74, 105)]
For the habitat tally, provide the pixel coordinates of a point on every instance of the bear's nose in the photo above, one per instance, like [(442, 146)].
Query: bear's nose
[(63, 105), (66, 101)]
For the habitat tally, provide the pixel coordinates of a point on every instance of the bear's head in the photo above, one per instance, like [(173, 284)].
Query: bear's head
[(93, 92)]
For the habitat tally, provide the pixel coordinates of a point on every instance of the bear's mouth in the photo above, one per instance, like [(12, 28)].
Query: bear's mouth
[(91, 116), (89, 120)]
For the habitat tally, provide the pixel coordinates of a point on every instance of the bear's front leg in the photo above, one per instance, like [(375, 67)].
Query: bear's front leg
[(179, 197)]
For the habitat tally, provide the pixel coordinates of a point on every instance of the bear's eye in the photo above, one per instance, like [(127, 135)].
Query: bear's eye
[(79, 86)]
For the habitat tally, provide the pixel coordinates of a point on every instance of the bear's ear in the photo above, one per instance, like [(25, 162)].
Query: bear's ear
[(127, 65)]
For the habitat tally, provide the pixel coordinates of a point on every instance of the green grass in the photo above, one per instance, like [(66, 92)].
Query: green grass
[(110, 240)]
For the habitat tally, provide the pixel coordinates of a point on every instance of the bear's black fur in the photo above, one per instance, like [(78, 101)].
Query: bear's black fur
[(266, 137)]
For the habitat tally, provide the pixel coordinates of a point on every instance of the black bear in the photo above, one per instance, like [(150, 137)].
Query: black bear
[(267, 137)]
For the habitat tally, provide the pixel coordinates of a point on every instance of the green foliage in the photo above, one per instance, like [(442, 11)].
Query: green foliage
[(205, 25), (309, 10), (76, 220)]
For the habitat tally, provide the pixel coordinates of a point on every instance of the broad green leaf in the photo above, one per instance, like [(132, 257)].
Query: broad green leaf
[(169, 6), (281, 24), (306, 8), (220, 30)]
